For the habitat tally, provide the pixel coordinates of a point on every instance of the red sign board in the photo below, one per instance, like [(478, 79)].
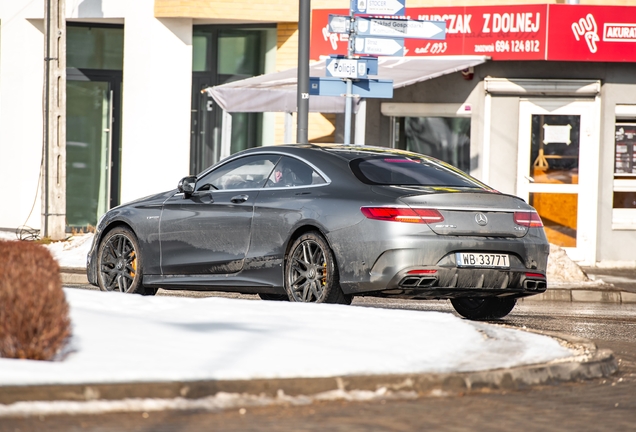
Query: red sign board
[(520, 32), (592, 33)]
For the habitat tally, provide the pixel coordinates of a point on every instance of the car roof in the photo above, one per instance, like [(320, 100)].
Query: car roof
[(348, 152)]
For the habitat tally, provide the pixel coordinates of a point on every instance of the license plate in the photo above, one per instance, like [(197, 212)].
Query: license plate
[(482, 260)]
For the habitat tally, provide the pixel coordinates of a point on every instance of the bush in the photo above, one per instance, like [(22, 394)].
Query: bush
[(34, 320)]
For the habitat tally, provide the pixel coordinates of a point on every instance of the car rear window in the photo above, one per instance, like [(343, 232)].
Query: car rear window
[(410, 171)]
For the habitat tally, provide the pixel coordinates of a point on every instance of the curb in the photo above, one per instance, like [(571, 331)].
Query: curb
[(593, 294), (593, 363), (73, 275)]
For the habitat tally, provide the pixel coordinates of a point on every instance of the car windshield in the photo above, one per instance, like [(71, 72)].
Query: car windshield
[(410, 171)]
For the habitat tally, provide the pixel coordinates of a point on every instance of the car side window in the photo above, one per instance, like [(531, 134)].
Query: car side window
[(290, 172), (249, 172)]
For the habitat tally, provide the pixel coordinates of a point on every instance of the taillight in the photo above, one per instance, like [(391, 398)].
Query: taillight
[(535, 275), (402, 214), (529, 219)]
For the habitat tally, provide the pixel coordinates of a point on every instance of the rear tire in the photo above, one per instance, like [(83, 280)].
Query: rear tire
[(476, 308), (119, 263), (311, 274)]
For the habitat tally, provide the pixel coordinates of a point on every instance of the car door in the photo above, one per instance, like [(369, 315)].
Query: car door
[(291, 195), (208, 232)]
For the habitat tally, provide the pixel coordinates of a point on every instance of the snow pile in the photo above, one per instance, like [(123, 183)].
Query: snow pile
[(69, 253), (72, 252), (562, 269), (217, 402), (120, 337)]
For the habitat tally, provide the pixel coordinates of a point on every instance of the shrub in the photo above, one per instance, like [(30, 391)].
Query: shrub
[(34, 320)]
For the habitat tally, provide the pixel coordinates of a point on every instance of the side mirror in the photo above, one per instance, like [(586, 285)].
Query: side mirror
[(186, 185)]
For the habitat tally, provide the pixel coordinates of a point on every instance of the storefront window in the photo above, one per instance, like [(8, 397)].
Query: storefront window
[(554, 154), (625, 150), (444, 138), (625, 166)]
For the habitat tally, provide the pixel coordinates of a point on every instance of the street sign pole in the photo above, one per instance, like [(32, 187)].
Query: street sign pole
[(349, 95)]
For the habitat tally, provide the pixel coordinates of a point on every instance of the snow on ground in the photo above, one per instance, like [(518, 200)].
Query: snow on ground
[(69, 253), (72, 253), (120, 337)]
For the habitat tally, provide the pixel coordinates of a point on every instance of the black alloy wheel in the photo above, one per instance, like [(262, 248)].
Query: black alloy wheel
[(483, 308), (311, 275), (120, 264)]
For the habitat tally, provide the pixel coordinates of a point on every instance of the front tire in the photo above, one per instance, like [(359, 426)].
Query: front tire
[(476, 308), (311, 274), (119, 263)]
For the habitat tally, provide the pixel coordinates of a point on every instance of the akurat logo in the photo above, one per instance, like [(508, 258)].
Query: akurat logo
[(586, 27)]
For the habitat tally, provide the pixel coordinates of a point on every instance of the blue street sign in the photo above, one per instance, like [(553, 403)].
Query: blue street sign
[(341, 67), (390, 28), (378, 7), (365, 88), (379, 46)]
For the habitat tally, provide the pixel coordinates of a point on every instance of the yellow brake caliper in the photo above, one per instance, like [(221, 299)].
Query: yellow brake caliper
[(134, 263)]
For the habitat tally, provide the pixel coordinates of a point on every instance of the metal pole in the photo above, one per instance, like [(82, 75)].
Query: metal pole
[(361, 122), (302, 97), (348, 103), (349, 95)]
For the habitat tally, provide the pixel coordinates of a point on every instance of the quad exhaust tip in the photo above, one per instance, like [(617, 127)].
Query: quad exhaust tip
[(418, 282)]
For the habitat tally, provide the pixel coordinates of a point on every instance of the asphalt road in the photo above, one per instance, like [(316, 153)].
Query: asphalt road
[(602, 404)]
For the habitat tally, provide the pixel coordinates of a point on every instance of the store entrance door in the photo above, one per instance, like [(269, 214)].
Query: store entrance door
[(557, 170), (92, 146)]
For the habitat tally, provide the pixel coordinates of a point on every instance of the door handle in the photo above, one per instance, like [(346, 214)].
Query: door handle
[(239, 199)]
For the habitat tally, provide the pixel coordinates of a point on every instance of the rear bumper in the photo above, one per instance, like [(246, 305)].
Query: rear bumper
[(464, 282), (399, 273)]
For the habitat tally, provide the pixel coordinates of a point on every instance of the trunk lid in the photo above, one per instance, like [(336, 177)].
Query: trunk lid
[(471, 213)]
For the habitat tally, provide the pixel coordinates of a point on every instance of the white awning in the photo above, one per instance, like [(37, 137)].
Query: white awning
[(276, 92)]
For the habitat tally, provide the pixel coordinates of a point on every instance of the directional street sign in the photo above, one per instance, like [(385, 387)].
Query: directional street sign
[(364, 88), (351, 68), (378, 7), (339, 23), (379, 46), (400, 28)]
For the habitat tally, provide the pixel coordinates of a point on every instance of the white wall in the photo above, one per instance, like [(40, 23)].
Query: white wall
[(156, 101), (21, 83)]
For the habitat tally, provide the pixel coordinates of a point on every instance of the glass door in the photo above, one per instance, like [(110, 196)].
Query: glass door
[(558, 161), (222, 54), (89, 124)]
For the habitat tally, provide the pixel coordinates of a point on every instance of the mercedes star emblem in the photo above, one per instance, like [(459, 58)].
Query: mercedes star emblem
[(481, 219)]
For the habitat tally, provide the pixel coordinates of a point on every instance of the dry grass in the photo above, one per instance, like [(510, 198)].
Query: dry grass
[(34, 314)]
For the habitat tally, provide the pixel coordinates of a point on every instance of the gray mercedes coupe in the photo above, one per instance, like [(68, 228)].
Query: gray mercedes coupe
[(324, 223)]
